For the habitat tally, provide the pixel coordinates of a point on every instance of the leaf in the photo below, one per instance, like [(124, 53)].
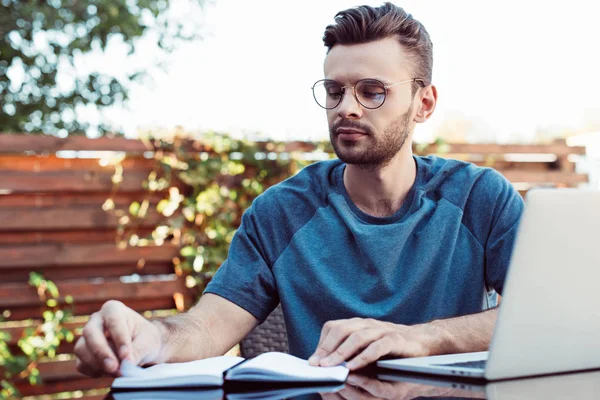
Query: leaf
[(35, 279), (134, 208), (188, 251), (52, 289)]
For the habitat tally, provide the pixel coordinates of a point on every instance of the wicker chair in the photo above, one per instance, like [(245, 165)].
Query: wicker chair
[(268, 336)]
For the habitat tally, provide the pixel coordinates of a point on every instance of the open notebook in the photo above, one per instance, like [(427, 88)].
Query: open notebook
[(213, 372)]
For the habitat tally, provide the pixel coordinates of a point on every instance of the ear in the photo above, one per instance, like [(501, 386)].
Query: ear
[(426, 100)]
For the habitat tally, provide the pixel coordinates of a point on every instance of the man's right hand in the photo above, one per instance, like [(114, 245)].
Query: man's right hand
[(113, 334)]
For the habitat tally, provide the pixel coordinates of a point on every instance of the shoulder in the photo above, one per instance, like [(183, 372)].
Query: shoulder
[(461, 182), (300, 195), (483, 194)]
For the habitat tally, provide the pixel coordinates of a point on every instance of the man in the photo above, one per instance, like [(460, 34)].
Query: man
[(379, 253)]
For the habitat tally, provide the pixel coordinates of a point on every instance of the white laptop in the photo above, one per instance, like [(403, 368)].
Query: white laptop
[(549, 317), (576, 385)]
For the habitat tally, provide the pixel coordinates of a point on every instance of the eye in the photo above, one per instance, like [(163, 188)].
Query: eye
[(333, 90), (371, 91)]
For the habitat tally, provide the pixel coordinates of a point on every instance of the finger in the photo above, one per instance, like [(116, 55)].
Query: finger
[(372, 353), (98, 346), (350, 392), (373, 386), (86, 369), (353, 344), (86, 362), (338, 332), (314, 359), (115, 323), (331, 396)]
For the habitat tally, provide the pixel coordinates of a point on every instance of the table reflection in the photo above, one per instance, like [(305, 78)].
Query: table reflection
[(391, 385)]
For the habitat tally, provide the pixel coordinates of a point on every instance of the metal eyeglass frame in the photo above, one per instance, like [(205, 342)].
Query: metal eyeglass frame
[(386, 87)]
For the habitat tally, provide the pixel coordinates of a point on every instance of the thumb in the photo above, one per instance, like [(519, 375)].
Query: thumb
[(143, 349)]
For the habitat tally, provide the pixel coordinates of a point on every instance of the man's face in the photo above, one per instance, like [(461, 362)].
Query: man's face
[(363, 136)]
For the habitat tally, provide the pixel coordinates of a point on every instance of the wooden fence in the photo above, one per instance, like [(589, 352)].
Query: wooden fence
[(52, 221)]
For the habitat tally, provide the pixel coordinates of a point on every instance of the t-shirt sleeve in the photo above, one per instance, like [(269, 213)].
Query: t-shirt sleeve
[(506, 214), (245, 278)]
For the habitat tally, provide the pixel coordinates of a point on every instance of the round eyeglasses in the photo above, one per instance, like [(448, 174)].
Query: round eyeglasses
[(370, 93)]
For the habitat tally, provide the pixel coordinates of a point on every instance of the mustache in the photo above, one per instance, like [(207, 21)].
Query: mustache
[(347, 123)]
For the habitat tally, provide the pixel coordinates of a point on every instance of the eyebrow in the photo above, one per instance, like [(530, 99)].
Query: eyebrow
[(353, 82)]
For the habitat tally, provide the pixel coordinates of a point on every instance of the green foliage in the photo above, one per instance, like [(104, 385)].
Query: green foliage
[(42, 41), (208, 186), (36, 342)]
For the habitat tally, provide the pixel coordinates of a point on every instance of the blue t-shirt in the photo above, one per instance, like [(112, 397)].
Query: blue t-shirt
[(304, 243)]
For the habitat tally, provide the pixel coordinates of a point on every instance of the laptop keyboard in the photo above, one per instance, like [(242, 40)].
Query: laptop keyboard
[(467, 364)]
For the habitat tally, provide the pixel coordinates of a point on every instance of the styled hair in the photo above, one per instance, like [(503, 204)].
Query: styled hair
[(366, 24)]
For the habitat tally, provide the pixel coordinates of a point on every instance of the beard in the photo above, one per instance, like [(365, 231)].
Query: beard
[(379, 151)]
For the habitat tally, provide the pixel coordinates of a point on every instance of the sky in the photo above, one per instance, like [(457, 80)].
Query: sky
[(503, 69)]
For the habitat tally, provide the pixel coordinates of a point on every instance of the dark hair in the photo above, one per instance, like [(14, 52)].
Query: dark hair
[(366, 24)]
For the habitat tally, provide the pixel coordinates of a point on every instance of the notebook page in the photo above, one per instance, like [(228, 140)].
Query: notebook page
[(214, 366), (199, 373), (284, 367)]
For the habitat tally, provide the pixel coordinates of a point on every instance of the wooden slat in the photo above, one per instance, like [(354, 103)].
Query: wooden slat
[(70, 385), (87, 271), (490, 148), (26, 219), (67, 181), (13, 143), (53, 163), (554, 177), (21, 294), (146, 304), (72, 236), (61, 376), (521, 166), (77, 199), (89, 254), (49, 144), (17, 331)]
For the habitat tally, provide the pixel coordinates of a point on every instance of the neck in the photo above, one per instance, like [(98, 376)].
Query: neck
[(381, 190)]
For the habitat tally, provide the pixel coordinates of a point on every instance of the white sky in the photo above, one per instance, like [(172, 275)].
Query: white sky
[(508, 67)]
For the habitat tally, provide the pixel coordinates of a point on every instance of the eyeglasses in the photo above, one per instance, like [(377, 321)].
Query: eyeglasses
[(370, 93)]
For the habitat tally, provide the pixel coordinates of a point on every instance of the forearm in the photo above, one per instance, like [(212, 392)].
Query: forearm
[(184, 338), (209, 329), (464, 334)]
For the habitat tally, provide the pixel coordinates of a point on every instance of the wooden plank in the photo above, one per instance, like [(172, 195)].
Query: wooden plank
[(70, 381), (46, 144), (553, 177), (148, 304), (99, 290), (17, 332), (72, 236), (521, 166), (50, 255), (77, 199), (52, 163), (87, 272), (67, 181), (85, 217), (558, 149)]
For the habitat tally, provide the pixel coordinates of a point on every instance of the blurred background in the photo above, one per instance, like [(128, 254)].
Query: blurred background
[(134, 134), (507, 72)]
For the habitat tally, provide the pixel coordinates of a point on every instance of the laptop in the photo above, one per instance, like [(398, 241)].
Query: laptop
[(549, 318), (580, 385)]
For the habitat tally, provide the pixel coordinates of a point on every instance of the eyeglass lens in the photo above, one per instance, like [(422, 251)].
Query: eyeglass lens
[(370, 93)]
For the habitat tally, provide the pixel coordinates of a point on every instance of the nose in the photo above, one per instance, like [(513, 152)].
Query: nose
[(349, 107)]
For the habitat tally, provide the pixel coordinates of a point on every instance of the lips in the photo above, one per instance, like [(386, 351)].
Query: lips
[(350, 133)]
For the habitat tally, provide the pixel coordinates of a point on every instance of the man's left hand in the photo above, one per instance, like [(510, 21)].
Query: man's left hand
[(363, 341)]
